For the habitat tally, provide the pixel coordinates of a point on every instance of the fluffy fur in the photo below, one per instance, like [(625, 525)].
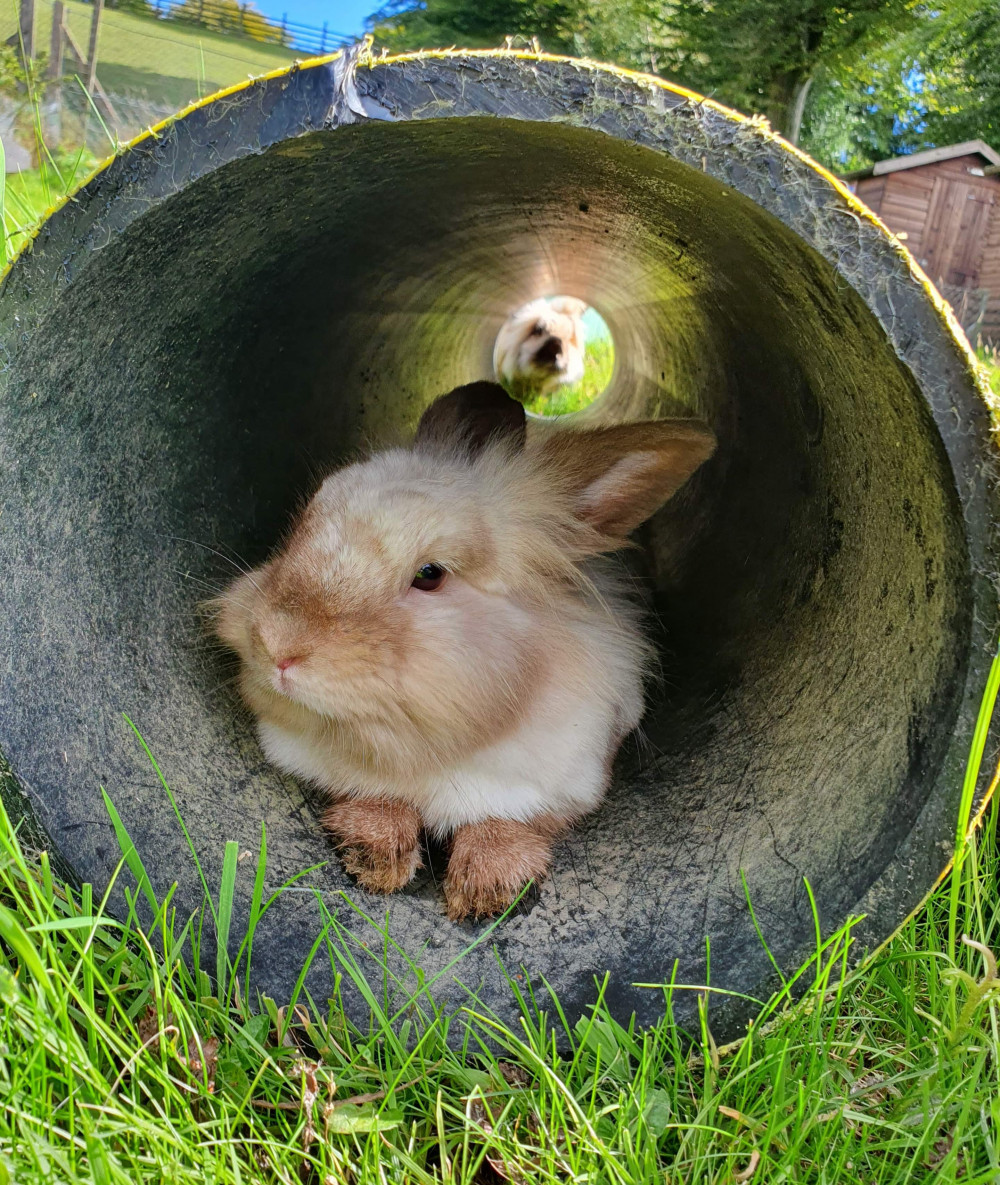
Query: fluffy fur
[(490, 709), (541, 346)]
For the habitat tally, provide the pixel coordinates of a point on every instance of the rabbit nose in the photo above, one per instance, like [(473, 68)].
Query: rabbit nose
[(284, 663), (550, 350)]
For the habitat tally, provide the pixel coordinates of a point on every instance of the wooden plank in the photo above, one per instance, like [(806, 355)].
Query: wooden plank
[(954, 241), (95, 25), (970, 240), (914, 217), (55, 67), (919, 181), (870, 191), (906, 206), (960, 166), (896, 220), (910, 189), (989, 268), (27, 22)]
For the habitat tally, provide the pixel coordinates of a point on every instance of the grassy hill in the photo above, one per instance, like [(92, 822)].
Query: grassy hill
[(165, 63)]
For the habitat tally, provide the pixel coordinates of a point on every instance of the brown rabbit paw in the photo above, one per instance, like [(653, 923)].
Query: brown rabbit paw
[(492, 861), (378, 840)]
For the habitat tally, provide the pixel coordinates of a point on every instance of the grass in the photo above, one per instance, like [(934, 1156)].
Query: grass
[(132, 1053), (989, 356), (163, 61), (599, 363), (30, 193)]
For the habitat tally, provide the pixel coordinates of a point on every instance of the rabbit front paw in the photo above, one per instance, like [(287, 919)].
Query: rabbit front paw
[(492, 861), (378, 840)]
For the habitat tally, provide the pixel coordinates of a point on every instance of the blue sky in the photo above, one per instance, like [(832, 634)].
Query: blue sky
[(341, 16)]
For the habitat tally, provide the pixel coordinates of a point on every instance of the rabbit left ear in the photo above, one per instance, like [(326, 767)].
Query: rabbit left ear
[(571, 306), (471, 417), (617, 477)]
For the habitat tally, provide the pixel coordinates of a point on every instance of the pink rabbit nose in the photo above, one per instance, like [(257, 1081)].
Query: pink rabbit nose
[(284, 663)]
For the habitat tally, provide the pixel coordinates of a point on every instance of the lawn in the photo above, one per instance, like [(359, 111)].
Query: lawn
[(166, 63), (135, 1054), (599, 364)]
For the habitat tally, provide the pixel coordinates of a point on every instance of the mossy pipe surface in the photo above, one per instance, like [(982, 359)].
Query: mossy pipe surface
[(296, 267)]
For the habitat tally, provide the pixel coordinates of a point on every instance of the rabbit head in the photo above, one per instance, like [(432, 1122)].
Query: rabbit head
[(415, 607), (541, 346)]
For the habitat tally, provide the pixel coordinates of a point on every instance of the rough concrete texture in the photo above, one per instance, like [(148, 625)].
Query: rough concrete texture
[(297, 268)]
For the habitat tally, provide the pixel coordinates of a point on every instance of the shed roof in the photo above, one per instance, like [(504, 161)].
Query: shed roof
[(931, 156)]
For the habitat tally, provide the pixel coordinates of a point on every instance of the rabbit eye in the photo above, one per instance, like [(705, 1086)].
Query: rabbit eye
[(429, 577)]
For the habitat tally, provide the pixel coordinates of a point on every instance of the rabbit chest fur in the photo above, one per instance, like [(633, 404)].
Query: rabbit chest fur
[(436, 645)]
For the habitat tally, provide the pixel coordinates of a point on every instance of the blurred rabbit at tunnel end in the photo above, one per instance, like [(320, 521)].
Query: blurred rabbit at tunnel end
[(542, 346), (429, 646)]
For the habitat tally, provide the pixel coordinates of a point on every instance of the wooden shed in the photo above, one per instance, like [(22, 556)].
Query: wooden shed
[(946, 204)]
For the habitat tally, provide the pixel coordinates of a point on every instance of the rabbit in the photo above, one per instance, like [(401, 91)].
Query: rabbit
[(542, 345), (432, 647)]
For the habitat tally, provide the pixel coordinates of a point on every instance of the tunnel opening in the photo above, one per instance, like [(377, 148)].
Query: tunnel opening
[(810, 587), (555, 354)]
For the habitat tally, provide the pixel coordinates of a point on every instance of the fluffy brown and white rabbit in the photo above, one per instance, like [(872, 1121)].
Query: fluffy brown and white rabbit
[(542, 345), (429, 647)]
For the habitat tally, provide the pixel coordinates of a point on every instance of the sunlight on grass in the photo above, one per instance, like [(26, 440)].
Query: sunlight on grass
[(30, 193), (138, 1052), (989, 356)]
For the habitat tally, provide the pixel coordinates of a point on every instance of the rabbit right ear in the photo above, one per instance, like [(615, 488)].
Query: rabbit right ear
[(471, 417)]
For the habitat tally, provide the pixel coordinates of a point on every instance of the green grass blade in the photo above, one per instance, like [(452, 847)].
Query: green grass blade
[(227, 894), (129, 853), (3, 205), (971, 780)]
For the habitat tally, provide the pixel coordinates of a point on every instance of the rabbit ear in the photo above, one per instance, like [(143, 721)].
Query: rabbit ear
[(470, 417), (617, 477), (571, 306)]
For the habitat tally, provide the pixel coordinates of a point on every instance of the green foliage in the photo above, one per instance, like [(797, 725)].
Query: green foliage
[(136, 7), (855, 80), (13, 79), (228, 16), (762, 55), (29, 194), (955, 53), (165, 62), (937, 82), (418, 24), (626, 32)]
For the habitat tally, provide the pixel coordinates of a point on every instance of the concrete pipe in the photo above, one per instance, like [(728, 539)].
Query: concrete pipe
[(298, 266)]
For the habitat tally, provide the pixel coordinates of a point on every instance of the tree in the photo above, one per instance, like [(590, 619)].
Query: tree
[(629, 33), (955, 61), (422, 24), (935, 83), (228, 16), (763, 55), (625, 32)]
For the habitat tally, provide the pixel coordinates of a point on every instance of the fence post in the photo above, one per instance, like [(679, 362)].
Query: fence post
[(322, 43), (284, 28), (56, 41), (28, 29), (95, 24)]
